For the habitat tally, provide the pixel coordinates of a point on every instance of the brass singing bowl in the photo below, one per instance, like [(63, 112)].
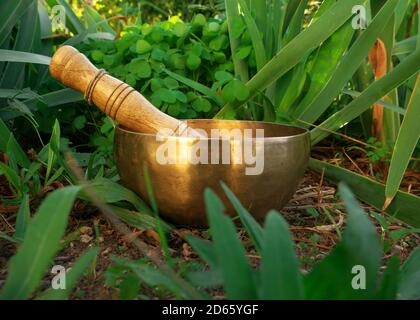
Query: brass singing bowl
[(178, 188)]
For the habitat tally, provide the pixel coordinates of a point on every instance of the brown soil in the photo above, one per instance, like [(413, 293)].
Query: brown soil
[(314, 236)]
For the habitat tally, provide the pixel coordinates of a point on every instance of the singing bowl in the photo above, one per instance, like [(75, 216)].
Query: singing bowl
[(179, 187)]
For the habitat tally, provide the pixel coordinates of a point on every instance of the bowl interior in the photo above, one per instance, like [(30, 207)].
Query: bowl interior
[(271, 130)]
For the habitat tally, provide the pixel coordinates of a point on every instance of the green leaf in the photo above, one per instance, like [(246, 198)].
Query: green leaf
[(235, 27), (196, 86), (17, 94), (10, 13), (206, 279), (109, 191), (53, 148), (407, 68), (404, 207), (241, 90), (23, 217), (235, 89), (386, 104), (9, 144), (256, 37), (141, 68), (219, 43), (56, 98), (170, 83), (347, 66), (79, 122), (243, 52), (334, 277), (180, 29), (180, 96), (154, 277), (158, 54), (201, 104), (251, 225), (411, 265), (166, 95), (10, 239), (297, 20), (237, 274), (410, 278), (72, 276), (24, 41), (137, 219), (97, 55), (142, 47), (407, 140), (193, 61), (156, 84), (325, 62), (12, 177), (409, 290), (223, 76), (390, 279), (400, 13), (199, 20), (205, 250), (40, 244), (280, 270), (177, 61), (296, 49), (405, 46), (26, 57)]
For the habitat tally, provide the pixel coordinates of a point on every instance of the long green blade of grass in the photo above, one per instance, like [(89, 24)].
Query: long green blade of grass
[(324, 64), (405, 46), (295, 50), (40, 244), (253, 228), (406, 143), (72, 276), (406, 69), (109, 191), (410, 277), (279, 259), (196, 86), (237, 274), (386, 104), (360, 246), (405, 206), (9, 144), (400, 13), (296, 23), (18, 56), (348, 65), (10, 13), (51, 99), (389, 283), (23, 217), (256, 38), (18, 94), (234, 21), (25, 37)]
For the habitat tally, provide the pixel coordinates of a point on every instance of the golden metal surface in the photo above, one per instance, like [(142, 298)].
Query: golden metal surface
[(179, 187)]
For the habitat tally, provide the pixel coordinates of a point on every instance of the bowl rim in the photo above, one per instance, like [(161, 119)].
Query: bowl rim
[(304, 132)]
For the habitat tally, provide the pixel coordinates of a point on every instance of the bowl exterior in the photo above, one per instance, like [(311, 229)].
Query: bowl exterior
[(178, 188)]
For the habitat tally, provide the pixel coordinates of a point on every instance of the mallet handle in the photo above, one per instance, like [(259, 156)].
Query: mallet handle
[(114, 97)]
